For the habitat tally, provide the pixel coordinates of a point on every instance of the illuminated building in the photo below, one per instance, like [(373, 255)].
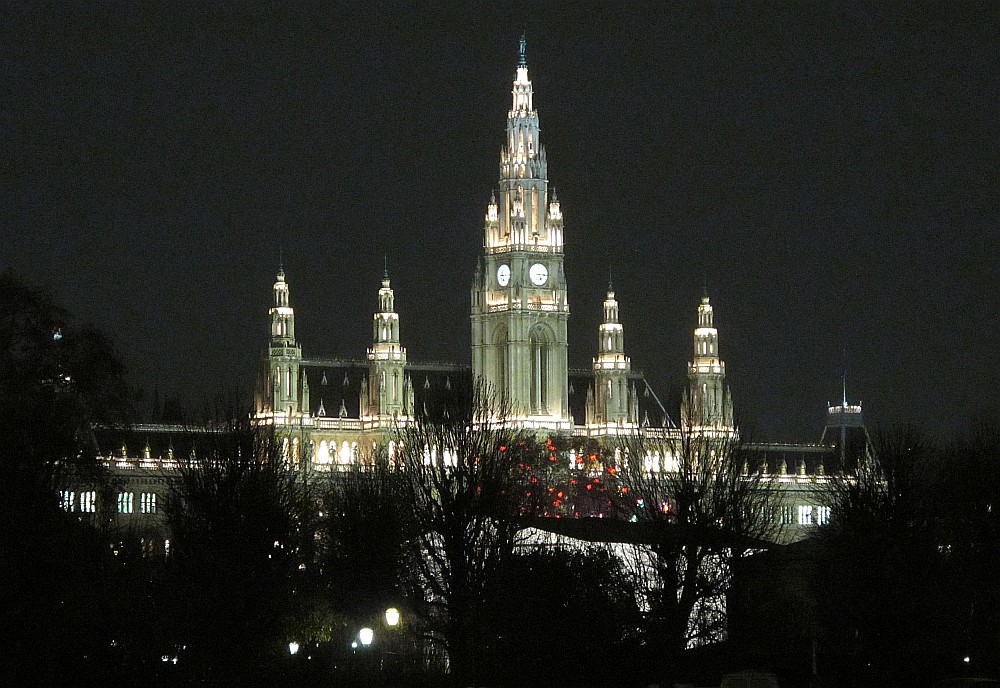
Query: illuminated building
[(333, 408), (331, 412)]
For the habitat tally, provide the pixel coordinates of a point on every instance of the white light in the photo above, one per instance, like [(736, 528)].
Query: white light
[(366, 635), (354, 644), (391, 616), (293, 648), (965, 659)]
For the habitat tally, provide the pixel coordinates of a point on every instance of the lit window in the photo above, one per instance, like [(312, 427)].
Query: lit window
[(805, 515), (88, 502), (67, 498), (822, 515), (147, 503), (785, 515), (125, 502)]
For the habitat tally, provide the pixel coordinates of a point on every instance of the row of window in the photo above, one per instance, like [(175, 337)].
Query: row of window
[(804, 515), (85, 502)]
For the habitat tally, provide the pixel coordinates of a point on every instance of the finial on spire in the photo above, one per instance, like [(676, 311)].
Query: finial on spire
[(704, 286), (611, 286), (385, 266), (522, 61), (844, 376), (281, 261)]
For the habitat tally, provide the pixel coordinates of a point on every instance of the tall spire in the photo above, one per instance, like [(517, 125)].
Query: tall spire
[(285, 390), (385, 394), (611, 368), (707, 402), (519, 302)]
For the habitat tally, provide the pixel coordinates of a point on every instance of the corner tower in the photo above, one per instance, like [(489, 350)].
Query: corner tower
[(388, 391), (707, 403), (611, 402), (285, 390), (519, 304)]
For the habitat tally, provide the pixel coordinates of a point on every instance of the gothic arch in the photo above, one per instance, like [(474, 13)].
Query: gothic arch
[(500, 372), (541, 339)]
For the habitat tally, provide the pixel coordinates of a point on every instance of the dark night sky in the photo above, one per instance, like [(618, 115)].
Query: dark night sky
[(831, 167)]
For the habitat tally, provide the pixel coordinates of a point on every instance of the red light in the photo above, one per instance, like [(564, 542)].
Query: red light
[(590, 487)]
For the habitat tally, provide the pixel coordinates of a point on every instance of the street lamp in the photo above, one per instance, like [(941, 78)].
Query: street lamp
[(392, 617), (366, 635), (293, 648)]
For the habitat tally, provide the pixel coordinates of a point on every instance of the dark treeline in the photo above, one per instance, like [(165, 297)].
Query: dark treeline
[(900, 588)]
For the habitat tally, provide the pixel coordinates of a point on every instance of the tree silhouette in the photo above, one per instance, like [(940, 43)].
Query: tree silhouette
[(884, 585), (56, 380), (695, 512), (242, 555), (464, 490)]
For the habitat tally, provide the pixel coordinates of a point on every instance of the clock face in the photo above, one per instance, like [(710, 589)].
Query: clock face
[(538, 274), (503, 275)]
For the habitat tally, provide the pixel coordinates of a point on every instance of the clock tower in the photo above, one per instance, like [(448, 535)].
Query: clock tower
[(519, 305)]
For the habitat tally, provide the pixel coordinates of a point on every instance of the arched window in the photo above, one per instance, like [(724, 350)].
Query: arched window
[(500, 379), (540, 351)]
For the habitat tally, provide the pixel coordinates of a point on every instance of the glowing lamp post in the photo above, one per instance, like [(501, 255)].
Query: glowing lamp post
[(366, 636), (293, 648), (392, 617)]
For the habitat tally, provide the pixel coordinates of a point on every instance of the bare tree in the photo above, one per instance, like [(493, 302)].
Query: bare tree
[(242, 527), (889, 604), (698, 506), (364, 529), (464, 486)]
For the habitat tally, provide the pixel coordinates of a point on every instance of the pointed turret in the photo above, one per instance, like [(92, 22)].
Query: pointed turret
[(706, 401), (282, 314), (385, 396), (283, 392), (611, 369)]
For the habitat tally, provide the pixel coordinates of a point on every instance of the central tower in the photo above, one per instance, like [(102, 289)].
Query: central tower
[(519, 305)]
